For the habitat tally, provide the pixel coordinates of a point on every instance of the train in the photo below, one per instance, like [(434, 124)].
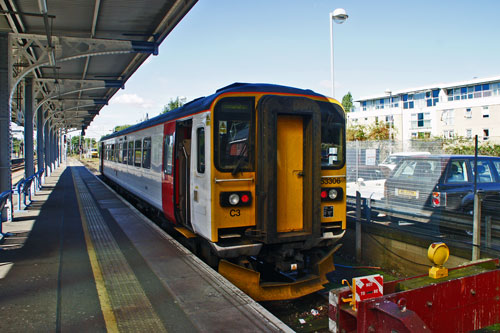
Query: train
[(253, 174)]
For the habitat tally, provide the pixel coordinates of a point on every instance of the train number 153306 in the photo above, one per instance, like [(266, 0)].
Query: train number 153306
[(330, 180)]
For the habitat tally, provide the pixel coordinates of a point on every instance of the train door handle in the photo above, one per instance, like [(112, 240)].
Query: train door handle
[(299, 173)]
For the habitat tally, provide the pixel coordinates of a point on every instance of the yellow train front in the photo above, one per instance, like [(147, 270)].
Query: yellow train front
[(253, 175)]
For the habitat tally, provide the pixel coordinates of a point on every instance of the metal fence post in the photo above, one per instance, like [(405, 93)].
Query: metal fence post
[(476, 220), (358, 226)]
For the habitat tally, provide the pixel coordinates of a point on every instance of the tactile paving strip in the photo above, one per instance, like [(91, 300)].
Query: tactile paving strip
[(130, 305)]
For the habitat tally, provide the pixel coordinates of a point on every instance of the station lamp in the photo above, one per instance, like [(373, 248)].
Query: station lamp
[(338, 16)]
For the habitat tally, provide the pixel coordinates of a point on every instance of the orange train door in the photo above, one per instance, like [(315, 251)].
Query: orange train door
[(290, 143), (288, 169)]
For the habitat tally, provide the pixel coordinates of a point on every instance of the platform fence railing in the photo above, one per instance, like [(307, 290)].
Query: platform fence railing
[(422, 195)]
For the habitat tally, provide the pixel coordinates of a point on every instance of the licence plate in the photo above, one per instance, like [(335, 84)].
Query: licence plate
[(406, 193)]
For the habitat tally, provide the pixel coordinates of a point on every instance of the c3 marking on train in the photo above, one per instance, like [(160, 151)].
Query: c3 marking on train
[(234, 212)]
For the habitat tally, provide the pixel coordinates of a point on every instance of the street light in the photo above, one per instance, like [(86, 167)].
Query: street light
[(389, 92), (339, 16)]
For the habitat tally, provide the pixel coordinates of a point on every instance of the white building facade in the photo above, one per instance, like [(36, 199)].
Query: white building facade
[(458, 109)]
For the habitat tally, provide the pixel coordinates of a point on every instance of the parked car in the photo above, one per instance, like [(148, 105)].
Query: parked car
[(443, 182), (392, 160)]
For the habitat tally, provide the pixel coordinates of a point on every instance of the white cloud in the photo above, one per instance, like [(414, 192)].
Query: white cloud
[(132, 99)]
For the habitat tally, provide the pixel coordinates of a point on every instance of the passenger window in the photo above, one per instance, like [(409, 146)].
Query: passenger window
[(168, 152), (125, 153), (457, 172), (131, 153), (484, 174), (146, 153), (138, 153), (120, 152), (200, 133), (113, 153)]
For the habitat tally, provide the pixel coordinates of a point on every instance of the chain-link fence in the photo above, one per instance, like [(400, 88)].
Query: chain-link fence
[(429, 185)]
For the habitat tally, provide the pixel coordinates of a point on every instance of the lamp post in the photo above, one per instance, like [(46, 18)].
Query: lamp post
[(339, 16), (389, 92)]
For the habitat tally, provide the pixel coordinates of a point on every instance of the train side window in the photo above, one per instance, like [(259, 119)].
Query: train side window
[(113, 152), (168, 153), (146, 153), (120, 152), (200, 134), (130, 153), (125, 153), (138, 153)]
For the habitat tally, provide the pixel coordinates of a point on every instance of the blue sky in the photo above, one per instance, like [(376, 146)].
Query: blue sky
[(385, 44)]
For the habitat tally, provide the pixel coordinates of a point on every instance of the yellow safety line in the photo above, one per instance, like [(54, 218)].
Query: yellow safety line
[(107, 310)]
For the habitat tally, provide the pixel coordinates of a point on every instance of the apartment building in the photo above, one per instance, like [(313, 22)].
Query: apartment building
[(448, 110)]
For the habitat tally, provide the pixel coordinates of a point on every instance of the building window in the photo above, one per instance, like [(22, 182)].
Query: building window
[(389, 120), (495, 89), (468, 133), (421, 120), (448, 117), (486, 134), (469, 92), (408, 101), (486, 112), (468, 113), (449, 134)]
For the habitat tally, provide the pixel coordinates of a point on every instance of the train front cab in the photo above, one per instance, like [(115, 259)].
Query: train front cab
[(276, 158)]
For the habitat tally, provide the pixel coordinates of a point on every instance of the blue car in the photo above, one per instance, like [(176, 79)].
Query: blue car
[(444, 182)]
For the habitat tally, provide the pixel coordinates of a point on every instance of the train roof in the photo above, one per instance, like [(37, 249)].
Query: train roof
[(204, 103)]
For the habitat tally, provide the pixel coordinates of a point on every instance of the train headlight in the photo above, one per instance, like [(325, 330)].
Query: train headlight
[(332, 194), (234, 199)]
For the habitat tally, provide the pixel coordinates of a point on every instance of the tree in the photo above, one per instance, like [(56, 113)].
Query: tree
[(379, 131), (356, 132), (120, 128), (173, 104), (347, 102)]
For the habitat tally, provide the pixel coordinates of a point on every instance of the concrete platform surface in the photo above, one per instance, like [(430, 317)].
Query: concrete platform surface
[(82, 259)]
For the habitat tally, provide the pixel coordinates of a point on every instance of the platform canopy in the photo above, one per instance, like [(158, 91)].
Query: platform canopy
[(78, 53)]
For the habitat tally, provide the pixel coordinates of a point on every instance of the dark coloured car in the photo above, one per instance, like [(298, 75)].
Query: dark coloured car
[(444, 182)]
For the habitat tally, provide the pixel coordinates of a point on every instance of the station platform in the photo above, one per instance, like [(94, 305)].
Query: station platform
[(79, 258)]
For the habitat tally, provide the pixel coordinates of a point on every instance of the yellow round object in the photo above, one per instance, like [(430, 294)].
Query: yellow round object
[(438, 253)]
